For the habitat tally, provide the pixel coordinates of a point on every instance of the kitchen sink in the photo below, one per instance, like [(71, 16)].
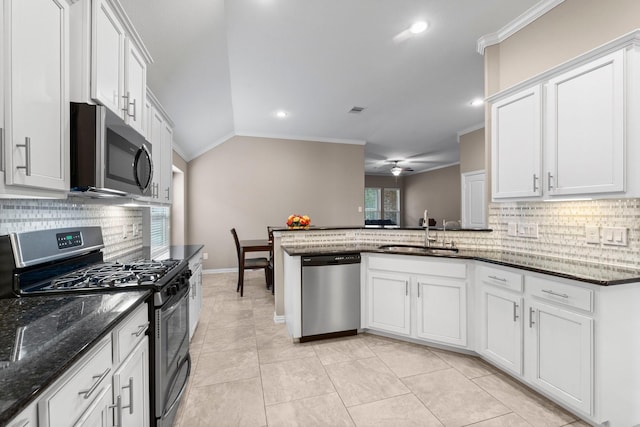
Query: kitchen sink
[(415, 249)]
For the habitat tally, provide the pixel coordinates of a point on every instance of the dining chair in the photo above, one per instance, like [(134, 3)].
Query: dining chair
[(248, 264), (271, 260)]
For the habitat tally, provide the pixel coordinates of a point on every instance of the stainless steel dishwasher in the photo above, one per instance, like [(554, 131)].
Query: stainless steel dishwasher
[(330, 296)]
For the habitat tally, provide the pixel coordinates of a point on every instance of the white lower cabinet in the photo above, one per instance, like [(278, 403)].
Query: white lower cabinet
[(441, 310), (418, 298), (389, 302), (195, 291), (539, 330), (131, 388), (559, 353), (109, 386)]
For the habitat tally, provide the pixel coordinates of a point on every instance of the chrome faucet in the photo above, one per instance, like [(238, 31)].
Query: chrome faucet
[(425, 224)]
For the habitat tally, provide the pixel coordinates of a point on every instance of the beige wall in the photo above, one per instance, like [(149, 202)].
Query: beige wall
[(250, 183), (472, 151), (570, 29), (437, 191)]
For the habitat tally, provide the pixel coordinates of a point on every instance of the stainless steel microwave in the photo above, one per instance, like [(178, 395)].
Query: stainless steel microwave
[(108, 158)]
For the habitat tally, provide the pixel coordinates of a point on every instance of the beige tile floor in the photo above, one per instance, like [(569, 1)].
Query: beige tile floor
[(248, 372)]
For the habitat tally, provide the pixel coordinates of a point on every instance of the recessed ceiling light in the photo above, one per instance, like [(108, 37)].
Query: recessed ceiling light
[(418, 27), (281, 114), (477, 102)]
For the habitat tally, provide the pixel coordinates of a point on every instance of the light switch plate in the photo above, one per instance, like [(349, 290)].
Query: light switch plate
[(592, 234), (614, 236), (512, 229)]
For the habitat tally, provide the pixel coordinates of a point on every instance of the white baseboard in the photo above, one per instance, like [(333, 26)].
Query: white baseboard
[(220, 270), (278, 319)]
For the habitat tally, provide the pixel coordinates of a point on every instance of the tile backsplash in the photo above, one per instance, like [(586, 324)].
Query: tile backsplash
[(37, 214), (561, 232)]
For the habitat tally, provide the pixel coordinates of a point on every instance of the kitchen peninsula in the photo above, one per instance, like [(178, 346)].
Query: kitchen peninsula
[(563, 326)]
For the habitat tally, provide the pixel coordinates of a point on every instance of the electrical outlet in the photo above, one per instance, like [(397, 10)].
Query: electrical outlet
[(136, 229), (512, 229), (205, 255), (592, 234), (124, 231)]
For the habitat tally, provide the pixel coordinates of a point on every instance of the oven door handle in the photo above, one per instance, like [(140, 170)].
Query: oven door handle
[(184, 386)]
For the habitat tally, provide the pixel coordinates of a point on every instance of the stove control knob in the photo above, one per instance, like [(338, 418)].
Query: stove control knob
[(172, 290), (188, 274)]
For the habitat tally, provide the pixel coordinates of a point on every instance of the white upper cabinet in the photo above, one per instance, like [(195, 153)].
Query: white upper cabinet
[(109, 61), (571, 133), (108, 56), (35, 131), (160, 134), (517, 145), (585, 128), (166, 164)]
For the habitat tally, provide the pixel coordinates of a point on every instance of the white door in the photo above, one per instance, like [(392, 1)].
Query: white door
[(441, 310), (559, 353), (107, 58), (585, 128), (501, 328), (37, 94), (473, 200), (389, 302), (516, 145)]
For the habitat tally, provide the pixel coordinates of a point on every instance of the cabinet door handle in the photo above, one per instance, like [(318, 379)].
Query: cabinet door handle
[(549, 178), (134, 109), (141, 329), (550, 292), (1, 150), (418, 290), (27, 152), (167, 190), (406, 288), (531, 322), (130, 387), (500, 279), (98, 378), (118, 414), (535, 182), (515, 312), (126, 103)]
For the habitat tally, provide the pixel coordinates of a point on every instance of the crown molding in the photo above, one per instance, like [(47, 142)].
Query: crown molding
[(516, 25), (302, 138)]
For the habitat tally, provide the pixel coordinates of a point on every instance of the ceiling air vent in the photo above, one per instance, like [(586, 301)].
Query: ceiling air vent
[(356, 110)]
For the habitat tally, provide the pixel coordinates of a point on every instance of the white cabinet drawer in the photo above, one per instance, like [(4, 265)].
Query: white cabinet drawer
[(561, 293), (127, 335), (454, 268), (501, 278), (73, 394)]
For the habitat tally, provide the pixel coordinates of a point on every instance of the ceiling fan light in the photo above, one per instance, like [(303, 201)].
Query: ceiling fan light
[(396, 171), (418, 27)]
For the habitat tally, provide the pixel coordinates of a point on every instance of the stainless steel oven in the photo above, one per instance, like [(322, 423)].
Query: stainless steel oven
[(70, 260), (172, 359)]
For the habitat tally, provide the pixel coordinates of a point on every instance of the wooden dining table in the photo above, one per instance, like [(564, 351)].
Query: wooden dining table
[(253, 245)]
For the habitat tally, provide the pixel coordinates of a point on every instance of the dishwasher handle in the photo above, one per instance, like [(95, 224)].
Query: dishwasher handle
[(335, 259)]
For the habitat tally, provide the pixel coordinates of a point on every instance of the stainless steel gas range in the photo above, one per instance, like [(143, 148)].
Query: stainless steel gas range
[(61, 261)]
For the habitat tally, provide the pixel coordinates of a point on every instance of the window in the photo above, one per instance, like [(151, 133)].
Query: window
[(160, 232), (382, 206)]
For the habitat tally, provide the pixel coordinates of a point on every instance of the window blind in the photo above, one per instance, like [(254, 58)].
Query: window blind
[(160, 232)]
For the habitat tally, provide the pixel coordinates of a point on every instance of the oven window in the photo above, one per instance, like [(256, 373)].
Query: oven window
[(176, 332)]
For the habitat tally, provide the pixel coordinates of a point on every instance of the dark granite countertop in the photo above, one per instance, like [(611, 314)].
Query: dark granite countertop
[(42, 336), (372, 227), (184, 251), (599, 274)]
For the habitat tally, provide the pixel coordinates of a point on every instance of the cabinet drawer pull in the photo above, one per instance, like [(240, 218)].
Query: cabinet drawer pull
[(27, 152), (98, 378), (535, 182), (531, 322), (130, 387), (500, 279), (141, 329), (550, 292), (549, 178), (515, 312)]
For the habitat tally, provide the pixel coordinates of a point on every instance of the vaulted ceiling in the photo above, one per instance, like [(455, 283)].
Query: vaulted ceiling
[(224, 68)]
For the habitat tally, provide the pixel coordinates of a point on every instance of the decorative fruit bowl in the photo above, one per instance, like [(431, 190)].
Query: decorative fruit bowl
[(298, 221)]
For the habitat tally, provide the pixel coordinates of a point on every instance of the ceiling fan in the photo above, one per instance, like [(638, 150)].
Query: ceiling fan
[(397, 170)]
